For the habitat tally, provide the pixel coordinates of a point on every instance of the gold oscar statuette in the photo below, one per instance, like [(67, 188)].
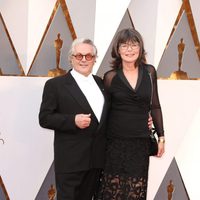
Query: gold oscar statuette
[(180, 74), (170, 189), (58, 70), (51, 193)]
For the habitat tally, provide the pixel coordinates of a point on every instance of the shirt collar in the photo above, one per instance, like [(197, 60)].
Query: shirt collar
[(81, 77)]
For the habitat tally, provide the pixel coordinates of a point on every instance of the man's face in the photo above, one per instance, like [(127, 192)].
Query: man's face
[(83, 59)]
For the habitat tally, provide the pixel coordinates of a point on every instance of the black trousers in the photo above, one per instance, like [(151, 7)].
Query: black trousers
[(77, 185)]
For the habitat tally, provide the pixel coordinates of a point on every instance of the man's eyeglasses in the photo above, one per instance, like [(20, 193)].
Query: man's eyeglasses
[(88, 56), (125, 46)]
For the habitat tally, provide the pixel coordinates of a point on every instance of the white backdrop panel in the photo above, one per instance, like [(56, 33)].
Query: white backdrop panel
[(180, 104), (188, 158), (28, 151)]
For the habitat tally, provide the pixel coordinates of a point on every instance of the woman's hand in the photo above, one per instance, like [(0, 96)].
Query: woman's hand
[(150, 122), (161, 146)]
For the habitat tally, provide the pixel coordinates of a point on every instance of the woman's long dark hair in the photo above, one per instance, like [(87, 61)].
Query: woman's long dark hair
[(124, 36)]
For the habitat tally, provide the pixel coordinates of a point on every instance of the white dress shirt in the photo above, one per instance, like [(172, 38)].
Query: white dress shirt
[(91, 91)]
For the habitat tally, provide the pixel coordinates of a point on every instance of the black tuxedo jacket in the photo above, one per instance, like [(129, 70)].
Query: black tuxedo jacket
[(74, 149)]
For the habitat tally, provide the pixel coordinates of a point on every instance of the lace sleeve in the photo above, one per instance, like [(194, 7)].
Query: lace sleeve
[(108, 77), (156, 111)]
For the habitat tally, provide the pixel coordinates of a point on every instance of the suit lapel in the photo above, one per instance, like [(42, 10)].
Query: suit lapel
[(76, 92), (79, 97)]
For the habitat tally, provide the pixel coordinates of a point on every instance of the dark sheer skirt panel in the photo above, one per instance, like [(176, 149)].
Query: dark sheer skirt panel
[(126, 171)]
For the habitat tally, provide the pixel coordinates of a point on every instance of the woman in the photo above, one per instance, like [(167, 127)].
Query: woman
[(130, 85)]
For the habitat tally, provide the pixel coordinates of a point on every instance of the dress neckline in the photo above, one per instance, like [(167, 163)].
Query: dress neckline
[(125, 81)]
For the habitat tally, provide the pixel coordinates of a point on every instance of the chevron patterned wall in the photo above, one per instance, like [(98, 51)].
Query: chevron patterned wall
[(28, 29)]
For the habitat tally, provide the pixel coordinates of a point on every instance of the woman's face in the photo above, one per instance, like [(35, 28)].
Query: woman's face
[(129, 52)]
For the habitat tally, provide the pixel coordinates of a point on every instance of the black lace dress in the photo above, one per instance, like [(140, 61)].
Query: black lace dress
[(127, 157)]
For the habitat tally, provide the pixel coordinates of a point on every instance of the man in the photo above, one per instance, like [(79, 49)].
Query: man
[(75, 107)]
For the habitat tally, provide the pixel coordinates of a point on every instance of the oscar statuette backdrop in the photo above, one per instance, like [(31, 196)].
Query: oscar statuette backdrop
[(35, 37)]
